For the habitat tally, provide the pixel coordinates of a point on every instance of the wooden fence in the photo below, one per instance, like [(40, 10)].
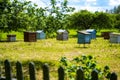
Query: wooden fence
[(61, 73)]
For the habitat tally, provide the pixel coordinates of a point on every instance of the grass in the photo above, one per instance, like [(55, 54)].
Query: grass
[(51, 50)]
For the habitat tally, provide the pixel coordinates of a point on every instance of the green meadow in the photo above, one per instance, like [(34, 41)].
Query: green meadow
[(51, 50)]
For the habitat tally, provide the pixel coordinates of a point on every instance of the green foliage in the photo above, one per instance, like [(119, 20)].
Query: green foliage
[(87, 63), (13, 17), (81, 20), (117, 23), (57, 13), (103, 21), (84, 20)]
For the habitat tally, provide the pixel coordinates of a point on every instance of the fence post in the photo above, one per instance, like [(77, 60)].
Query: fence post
[(19, 72), (32, 71), (80, 74), (61, 73), (46, 72), (94, 75), (0, 69), (113, 76), (8, 73)]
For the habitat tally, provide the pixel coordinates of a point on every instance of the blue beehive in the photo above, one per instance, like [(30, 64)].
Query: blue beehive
[(92, 32), (40, 34), (11, 37), (84, 37)]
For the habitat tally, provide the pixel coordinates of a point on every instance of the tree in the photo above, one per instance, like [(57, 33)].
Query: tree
[(81, 20), (102, 21), (31, 17), (117, 21), (4, 9), (22, 15), (14, 16), (18, 16), (57, 13), (116, 9), (41, 18)]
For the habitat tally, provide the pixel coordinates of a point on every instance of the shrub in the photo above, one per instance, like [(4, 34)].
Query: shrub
[(87, 63)]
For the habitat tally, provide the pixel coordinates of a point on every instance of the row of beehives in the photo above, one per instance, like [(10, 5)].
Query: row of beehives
[(40, 34), (33, 36), (28, 36), (84, 36)]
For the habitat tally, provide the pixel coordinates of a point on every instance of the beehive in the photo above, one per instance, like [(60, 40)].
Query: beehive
[(106, 34), (84, 37), (40, 34), (11, 38), (115, 38), (30, 37), (92, 32), (62, 35)]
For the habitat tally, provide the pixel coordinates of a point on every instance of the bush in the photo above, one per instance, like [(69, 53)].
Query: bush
[(87, 63)]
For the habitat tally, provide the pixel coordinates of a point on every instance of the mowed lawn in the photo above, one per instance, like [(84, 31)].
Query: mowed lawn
[(51, 50)]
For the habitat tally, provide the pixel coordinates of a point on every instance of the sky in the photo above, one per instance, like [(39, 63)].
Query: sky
[(90, 5)]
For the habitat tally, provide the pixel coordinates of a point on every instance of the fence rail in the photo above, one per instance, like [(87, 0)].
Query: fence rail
[(46, 72)]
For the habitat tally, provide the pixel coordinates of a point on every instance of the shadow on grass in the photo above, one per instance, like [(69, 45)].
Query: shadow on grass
[(19, 40), (3, 41), (114, 45), (82, 46)]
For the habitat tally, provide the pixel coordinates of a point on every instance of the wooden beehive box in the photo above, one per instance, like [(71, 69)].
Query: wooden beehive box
[(30, 37), (106, 34), (40, 34), (83, 37), (92, 32), (11, 38), (115, 38), (62, 35)]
